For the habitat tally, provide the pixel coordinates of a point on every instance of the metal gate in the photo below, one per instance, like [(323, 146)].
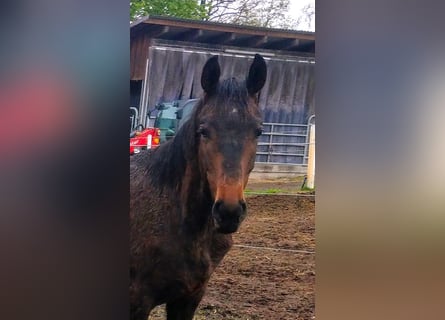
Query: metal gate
[(283, 143), (134, 118)]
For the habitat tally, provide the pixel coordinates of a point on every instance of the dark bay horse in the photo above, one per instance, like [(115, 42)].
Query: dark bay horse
[(186, 196)]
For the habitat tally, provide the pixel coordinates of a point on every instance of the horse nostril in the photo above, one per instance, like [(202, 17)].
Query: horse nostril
[(217, 205), (243, 205)]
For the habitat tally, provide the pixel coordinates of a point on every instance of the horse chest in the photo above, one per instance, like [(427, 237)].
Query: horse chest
[(196, 272), (181, 273), (192, 263), (197, 265)]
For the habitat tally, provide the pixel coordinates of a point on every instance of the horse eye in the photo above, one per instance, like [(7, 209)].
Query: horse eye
[(203, 132), (258, 132)]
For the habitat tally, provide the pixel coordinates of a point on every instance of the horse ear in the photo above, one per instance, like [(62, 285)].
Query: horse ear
[(210, 75), (257, 75)]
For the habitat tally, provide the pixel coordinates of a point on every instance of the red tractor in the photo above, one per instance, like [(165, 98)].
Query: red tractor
[(144, 138)]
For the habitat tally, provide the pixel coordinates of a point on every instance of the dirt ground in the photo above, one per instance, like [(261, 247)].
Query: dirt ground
[(254, 281)]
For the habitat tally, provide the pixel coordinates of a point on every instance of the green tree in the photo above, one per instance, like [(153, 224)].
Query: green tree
[(190, 9), (261, 13)]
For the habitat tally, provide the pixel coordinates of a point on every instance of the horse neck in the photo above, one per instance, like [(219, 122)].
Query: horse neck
[(177, 170), (195, 198)]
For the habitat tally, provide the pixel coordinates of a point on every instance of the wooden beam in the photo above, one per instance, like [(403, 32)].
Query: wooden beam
[(223, 38), (289, 43), (253, 41), (224, 27), (281, 44), (190, 35), (306, 46), (157, 31)]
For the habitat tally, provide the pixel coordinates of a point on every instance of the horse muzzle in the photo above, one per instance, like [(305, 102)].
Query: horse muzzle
[(227, 216)]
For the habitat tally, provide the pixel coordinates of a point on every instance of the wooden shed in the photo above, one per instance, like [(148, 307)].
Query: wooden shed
[(167, 56)]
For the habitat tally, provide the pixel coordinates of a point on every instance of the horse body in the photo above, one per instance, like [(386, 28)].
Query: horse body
[(186, 196)]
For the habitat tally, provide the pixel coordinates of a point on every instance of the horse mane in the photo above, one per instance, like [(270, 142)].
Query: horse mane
[(168, 162)]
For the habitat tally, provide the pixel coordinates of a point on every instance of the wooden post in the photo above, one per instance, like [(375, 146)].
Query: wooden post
[(311, 158)]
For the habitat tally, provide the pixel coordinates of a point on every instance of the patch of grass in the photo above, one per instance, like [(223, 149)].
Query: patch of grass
[(306, 189), (266, 191), (273, 191)]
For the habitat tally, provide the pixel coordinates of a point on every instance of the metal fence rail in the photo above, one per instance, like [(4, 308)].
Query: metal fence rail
[(284, 143)]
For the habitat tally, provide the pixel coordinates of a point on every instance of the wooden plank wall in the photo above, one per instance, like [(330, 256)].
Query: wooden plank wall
[(138, 56), (287, 97)]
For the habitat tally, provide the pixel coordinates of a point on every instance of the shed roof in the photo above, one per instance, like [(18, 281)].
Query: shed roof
[(206, 32)]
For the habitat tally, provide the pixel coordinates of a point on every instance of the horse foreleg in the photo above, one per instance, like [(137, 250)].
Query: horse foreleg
[(140, 306), (138, 312), (184, 308)]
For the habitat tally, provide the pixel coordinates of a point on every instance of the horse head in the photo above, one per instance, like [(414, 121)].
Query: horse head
[(228, 123)]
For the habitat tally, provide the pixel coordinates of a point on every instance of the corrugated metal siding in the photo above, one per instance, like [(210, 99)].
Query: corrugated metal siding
[(287, 96)]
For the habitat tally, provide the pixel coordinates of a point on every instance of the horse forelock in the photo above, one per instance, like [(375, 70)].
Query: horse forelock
[(230, 102), (231, 94)]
